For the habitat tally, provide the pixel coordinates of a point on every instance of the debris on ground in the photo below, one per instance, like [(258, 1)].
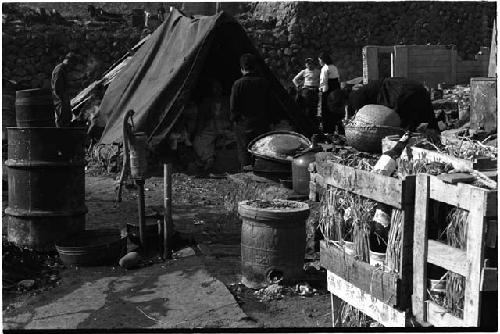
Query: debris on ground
[(183, 253), (26, 270)]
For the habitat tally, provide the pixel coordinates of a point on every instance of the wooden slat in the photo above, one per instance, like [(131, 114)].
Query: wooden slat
[(489, 279), (420, 247), (492, 204), (380, 284), (364, 302), (455, 178), (406, 258), (455, 195), (476, 231), (457, 163), (374, 186), (447, 257), (438, 316), (336, 310)]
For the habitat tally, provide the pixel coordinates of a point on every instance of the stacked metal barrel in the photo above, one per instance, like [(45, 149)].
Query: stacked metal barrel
[(46, 175)]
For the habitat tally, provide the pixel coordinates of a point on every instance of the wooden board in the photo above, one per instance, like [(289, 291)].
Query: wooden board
[(380, 188), (489, 279), (438, 316), (457, 163), (369, 305), (373, 280), (447, 257)]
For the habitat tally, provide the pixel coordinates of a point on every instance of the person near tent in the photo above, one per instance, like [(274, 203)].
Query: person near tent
[(249, 104), (60, 95), (328, 84), (212, 124), (161, 13), (307, 83)]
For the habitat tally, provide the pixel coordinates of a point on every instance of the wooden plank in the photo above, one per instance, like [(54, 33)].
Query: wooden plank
[(440, 318), (457, 163), (448, 257), (364, 302), (489, 279), (380, 284), (455, 178), (406, 259), (455, 195), (401, 61), (420, 247), (492, 204), (374, 186), (476, 230)]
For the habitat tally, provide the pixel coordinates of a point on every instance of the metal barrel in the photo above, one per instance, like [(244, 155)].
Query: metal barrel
[(272, 244), (34, 108), (46, 178), (8, 111)]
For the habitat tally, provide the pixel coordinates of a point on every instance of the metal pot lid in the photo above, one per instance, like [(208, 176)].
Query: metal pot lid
[(279, 146)]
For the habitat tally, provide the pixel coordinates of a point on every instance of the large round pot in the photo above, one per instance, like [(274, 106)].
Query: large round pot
[(273, 241)]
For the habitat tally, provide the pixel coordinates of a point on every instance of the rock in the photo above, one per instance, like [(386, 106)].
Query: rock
[(130, 260), (26, 284), (185, 252)]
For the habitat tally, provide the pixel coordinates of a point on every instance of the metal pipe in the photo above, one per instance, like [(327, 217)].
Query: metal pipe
[(168, 228), (142, 211)]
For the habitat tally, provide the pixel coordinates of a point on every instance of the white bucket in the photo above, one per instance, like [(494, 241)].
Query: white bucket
[(377, 258)]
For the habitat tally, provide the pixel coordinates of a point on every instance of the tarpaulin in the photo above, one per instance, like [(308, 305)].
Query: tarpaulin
[(163, 75)]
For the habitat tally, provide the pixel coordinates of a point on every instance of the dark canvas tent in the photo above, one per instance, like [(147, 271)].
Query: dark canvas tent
[(164, 74)]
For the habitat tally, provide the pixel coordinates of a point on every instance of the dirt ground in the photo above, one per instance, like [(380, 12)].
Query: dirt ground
[(199, 214)]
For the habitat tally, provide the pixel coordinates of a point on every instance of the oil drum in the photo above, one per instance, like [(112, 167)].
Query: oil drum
[(46, 178), (34, 108), (273, 241), (8, 111)]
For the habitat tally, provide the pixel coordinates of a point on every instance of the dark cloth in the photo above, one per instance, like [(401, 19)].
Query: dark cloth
[(250, 100), (329, 106), (62, 106), (410, 100), (244, 133), (366, 94)]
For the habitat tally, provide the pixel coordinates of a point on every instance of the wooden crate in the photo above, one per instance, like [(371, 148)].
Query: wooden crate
[(369, 288), (481, 205)]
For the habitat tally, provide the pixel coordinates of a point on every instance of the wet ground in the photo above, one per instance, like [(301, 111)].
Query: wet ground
[(199, 290)]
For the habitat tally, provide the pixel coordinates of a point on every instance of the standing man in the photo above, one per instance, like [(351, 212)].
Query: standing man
[(59, 84), (307, 83), (249, 108)]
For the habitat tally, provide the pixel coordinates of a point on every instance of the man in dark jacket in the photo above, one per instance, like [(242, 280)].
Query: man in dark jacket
[(59, 84), (249, 108)]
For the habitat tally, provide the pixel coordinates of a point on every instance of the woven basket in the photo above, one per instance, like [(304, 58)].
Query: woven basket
[(368, 137)]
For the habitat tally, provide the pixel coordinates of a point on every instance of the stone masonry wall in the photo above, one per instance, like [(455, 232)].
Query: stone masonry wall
[(31, 53), (288, 32), (285, 33)]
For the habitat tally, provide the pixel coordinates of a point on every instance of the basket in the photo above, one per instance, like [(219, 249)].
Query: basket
[(368, 137)]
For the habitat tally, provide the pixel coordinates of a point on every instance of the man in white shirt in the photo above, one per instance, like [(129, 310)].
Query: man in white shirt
[(328, 82), (307, 83)]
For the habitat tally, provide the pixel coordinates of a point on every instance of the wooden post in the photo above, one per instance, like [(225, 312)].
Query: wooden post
[(142, 211), (420, 247), (168, 227)]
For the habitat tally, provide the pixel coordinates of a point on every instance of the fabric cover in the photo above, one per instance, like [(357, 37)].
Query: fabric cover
[(163, 76)]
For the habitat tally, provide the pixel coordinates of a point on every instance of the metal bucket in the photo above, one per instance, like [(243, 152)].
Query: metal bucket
[(46, 185), (34, 108), (138, 162), (272, 243)]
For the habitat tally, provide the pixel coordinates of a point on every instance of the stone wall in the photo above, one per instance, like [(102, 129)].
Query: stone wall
[(288, 32), (285, 33), (30, 53)]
